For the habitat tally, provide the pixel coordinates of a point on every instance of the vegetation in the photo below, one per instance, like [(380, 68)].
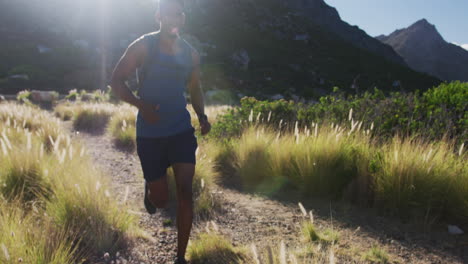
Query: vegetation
[(312, 235), (441, 112), (24, 97), (376, 255), (409, 177), (119, 121), (356, 148), (73, 95), (122, 128), (92, 118), (211, 248), (54, 207), (64, 111)]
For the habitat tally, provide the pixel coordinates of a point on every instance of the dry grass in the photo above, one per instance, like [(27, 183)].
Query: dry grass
[(67, 211), (211, 248), (122, 128), (93, 117), (409, 178)]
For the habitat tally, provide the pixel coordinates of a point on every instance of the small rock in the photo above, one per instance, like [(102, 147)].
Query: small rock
[(106, 256), (454, 230)]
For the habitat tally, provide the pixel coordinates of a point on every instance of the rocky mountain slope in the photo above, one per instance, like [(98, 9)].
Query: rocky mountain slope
[(425, 50), (261, 48), (320, 13)]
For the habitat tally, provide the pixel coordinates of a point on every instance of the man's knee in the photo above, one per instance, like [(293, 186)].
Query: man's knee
[(184, 192)]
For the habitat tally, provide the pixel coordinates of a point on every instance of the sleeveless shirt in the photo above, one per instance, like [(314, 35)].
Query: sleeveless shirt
[(165, 81)]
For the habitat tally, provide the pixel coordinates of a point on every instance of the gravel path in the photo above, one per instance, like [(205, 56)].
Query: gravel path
[(247, 219)]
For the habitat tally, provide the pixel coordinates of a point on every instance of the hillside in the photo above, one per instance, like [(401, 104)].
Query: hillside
[(320, 13), (257, 48), (425, 50)]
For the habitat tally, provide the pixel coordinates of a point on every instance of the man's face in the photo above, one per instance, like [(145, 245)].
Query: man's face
[(172, 18)]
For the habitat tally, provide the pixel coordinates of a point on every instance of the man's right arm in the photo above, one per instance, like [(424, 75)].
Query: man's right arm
[(130, 61)]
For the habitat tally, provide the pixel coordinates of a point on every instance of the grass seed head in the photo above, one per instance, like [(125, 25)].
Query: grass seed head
[(303, 210), (282, 253)]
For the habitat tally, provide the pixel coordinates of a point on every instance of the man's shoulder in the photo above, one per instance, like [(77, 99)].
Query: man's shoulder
[(147, 36)]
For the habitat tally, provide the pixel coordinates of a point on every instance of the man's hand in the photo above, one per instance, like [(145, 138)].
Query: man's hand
[(148, 112), (205, 126)]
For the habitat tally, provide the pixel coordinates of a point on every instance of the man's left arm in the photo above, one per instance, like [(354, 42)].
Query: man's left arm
[(196, 94)]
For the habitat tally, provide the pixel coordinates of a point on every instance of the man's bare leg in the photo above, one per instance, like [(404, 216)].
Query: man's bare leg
[(184, 173), (159, 192)]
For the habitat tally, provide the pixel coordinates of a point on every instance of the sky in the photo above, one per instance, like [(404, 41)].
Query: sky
[(378, 17)]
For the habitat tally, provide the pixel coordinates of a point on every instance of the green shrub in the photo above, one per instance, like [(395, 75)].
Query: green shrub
[(376, 255), (439, 112), (24, 97), (311, 234), (73, 95)]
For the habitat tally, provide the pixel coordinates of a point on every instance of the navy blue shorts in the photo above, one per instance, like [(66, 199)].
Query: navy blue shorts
[(158, 154)]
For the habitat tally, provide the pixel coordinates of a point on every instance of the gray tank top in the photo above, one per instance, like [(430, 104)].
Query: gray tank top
[(164, 84)]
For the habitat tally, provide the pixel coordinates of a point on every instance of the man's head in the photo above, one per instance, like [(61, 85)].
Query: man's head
[(171, 16)]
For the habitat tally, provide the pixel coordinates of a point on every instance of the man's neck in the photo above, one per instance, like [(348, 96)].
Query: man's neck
[(168, 42)]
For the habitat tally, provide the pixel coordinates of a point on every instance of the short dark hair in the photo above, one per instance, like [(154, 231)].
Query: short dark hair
[(161, 2)]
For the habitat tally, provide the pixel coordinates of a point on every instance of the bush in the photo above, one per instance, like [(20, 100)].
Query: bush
[(73, 95), (439, 112), (24, 97)]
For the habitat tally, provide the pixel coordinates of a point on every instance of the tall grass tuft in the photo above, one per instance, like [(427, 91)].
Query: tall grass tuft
[(210, 248), (376, 255), (93, 118), (65, 111), (23, 178), (65, 217), (415, 178), (122, 128), (315, 165), (404, 177), (29, 238)]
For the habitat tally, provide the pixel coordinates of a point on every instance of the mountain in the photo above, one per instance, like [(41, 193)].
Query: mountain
[(425, 50), (260, 48), (320, 13)]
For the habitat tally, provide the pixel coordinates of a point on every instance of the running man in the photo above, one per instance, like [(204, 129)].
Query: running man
[(165, 136)]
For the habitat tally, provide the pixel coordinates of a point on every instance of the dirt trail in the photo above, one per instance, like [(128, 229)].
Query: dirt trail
[(247, 219)]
